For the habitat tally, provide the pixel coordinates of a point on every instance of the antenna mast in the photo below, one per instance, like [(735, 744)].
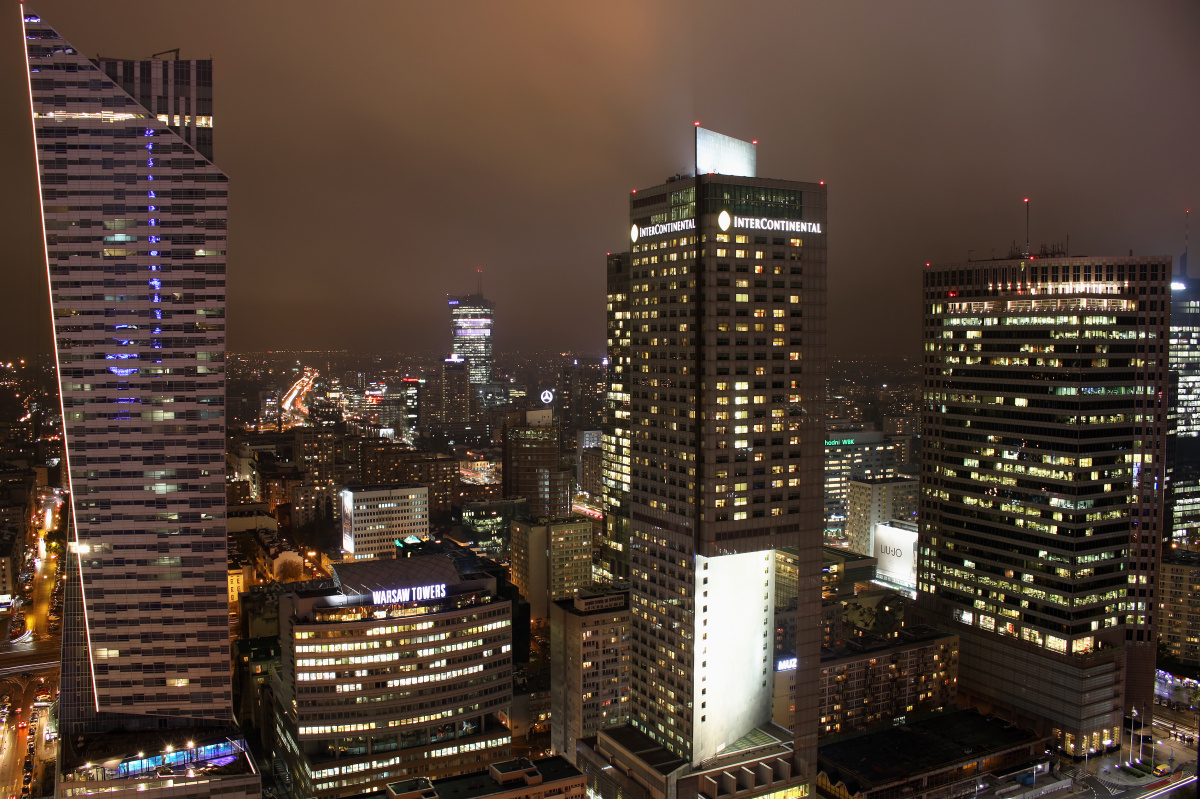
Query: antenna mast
[(1027, 226), (480, 273)]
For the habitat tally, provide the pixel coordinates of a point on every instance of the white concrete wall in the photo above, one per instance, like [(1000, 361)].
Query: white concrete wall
[(733, 665)]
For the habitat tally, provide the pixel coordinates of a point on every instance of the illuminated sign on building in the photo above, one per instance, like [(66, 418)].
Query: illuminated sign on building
[(896, 555), (422, 593), (839, 442), (548, 396), (636, 232), (782, 225), (785, 664)]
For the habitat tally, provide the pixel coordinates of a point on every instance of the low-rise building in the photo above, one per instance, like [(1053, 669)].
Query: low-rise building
[(376, 518), (1179, 620), (866, 682)]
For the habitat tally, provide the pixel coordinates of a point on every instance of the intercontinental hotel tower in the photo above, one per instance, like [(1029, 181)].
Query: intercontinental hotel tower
[(717, 340)]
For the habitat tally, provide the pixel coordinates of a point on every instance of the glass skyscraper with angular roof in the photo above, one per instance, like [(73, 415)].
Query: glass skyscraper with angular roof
[(134, 212)]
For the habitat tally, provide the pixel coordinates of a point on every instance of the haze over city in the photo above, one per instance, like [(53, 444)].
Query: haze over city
[(616, 401), (382, 153)]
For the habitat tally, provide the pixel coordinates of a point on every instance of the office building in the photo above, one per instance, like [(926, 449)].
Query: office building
[(1179, 625), (314, 449), (471, 318), (551, 561), (485, 524), (377, 518), (591, 471), (589, 667), (533, 466), (842, 571), (1042, 483), (456, 390), (871, 681), (132, 202), (1184, 479), (872, 501), (612, 562), (725, 372), (408, 398), (852, 455), (582, 385), (438, 642), (381, 462)]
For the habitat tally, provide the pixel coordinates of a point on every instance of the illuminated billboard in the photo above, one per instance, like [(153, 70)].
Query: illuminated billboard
[(724, 155), (895, 552)]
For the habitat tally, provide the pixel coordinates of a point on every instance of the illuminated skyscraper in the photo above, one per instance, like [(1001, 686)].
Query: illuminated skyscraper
[(134, 213), (725, 374), (471, 318), (612, 560), (1042, 505), (1185, 409)]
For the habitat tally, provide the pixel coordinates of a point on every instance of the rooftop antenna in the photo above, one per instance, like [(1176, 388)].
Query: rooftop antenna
[(1026, 226), (480, 273), (1183, 264)]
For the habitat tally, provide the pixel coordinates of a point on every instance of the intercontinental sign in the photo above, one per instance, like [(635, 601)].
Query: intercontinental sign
[(636, 232), (725, 221), (782, 225)]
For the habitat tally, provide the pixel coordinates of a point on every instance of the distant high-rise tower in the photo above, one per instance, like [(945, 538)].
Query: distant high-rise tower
[(456, 390), (471, 318), (134, 213), (722, 360), (1042, 484), (533, 466)]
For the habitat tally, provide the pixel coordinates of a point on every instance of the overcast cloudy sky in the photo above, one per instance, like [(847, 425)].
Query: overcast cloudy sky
[(380, 153)]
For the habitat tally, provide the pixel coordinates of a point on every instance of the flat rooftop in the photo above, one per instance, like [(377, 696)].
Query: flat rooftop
[(897, 753), (481, 783), (649, 751)]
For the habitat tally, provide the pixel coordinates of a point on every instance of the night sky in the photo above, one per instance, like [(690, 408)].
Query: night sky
[(380, 153)]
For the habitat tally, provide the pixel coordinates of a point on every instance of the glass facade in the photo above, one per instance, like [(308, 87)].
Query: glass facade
[(1043, 478), (1185, 410), (135, 233), (134, 213), (471, 318)]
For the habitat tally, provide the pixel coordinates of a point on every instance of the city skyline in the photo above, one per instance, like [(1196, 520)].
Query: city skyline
[(911, 125), (712, 561)]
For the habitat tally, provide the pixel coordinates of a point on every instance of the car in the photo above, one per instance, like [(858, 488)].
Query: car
[(28, 778), (23, 724), (29, 764), (1162, 770)]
